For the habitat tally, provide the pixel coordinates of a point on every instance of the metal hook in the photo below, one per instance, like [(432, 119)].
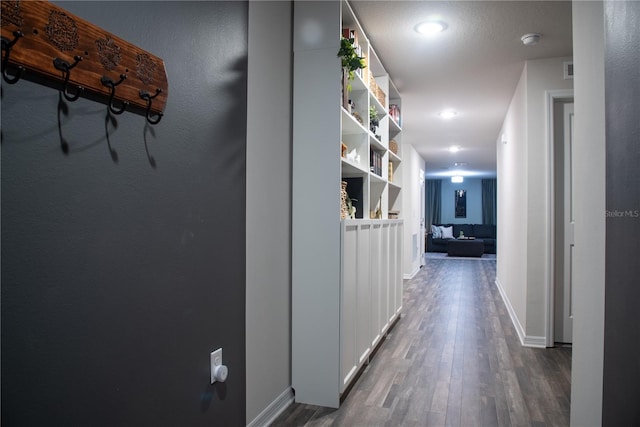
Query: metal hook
[(6, 47), (64, 66), (147, 96), (106, 81)]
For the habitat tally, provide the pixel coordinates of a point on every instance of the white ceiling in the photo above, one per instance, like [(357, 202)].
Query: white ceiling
[(472, 67)]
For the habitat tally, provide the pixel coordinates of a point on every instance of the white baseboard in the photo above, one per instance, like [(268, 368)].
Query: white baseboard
[(536, 342), (412, 274), (511, 311), (526, 341), (271, 412)]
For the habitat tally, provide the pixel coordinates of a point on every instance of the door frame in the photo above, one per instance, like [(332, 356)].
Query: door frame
[(550, 97)]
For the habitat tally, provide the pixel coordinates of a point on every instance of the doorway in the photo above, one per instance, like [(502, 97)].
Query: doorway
[(564, 221), (560, 286)]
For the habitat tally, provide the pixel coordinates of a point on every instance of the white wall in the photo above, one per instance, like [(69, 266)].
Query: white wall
[(511, 201), (412, 209), (523, 198), (589, 198), (542, 75), (268, 269)]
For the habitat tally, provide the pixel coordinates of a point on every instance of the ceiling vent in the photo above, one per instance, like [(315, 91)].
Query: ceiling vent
[(568, 70)]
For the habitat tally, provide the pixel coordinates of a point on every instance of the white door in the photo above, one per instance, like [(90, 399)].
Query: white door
[(563, 324)]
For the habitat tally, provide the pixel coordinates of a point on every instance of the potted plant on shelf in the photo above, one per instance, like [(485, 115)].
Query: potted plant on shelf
[(351, 62), (374, 121), (350, 208)]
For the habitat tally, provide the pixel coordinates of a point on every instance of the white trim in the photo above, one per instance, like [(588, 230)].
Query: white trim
[(535, 342), (275, 408), (550, 97), (526, 341), (512, 313), (412, 274)]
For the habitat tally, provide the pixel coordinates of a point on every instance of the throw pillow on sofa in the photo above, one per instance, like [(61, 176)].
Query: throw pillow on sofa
[(447, 232), (437, 234)]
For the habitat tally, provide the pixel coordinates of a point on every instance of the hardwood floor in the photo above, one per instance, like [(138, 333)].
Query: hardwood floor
[(453, 359)]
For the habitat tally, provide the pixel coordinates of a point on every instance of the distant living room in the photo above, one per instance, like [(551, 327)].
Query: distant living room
[(461, 217)]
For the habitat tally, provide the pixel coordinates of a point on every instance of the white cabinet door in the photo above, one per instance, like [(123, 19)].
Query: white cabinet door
[(384, 277), (363, 294), (376, 320), (398, 260), (393, 232), (348, 322)]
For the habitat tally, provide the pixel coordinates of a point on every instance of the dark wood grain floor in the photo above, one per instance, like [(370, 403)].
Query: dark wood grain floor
[(453, 359)]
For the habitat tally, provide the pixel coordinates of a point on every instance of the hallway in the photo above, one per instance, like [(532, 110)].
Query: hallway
[(453, 359)]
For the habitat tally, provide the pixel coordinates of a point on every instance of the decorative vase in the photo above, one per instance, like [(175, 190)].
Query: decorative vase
[(344, 210)]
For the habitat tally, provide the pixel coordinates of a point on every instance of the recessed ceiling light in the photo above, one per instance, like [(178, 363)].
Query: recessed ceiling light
[(431, 28), (447, 114), (461, 164), (454, 149)]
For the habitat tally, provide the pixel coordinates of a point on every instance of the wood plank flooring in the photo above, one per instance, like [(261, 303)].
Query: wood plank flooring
[(453, 359)]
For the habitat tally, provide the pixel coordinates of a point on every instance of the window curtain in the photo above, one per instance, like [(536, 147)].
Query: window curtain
[(489, 188), (434, 202)]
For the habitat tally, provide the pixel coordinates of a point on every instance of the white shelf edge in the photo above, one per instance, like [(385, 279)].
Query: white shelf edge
[(394, 185), (376, 143), (377, 178), (396, 126), (378, 104), (394, 93), (358, 84), (349, 164), (352, 126)]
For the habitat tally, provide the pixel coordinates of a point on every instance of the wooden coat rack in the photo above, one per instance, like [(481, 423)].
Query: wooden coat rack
[(44, 43)]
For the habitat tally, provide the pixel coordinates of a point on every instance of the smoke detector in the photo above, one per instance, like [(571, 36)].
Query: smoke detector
[(530, 39)]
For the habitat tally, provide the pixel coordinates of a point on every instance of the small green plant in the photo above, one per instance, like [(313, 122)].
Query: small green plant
[(374, 120), (373, 115), (351, 209), (349, 57)]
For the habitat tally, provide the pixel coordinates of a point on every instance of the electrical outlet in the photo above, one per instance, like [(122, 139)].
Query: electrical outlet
[(216, 357), (219, 371)]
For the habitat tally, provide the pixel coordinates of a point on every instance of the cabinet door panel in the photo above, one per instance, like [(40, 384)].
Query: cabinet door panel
[(348, 352), (376, 320), (392, 271), (398, 258), (363, 295), (384, 277)]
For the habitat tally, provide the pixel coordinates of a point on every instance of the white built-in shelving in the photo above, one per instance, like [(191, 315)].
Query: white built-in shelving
[(347, 273), (378, 191)]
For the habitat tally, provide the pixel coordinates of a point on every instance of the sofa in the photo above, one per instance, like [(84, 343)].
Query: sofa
[(486, 232)]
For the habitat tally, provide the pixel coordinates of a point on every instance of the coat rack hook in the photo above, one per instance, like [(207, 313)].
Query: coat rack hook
[(65, 67), (6, 48), (106, 81), (147, 96)]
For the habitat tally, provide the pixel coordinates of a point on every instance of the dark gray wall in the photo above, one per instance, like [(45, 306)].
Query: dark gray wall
[(124, 266), (621, 383)]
